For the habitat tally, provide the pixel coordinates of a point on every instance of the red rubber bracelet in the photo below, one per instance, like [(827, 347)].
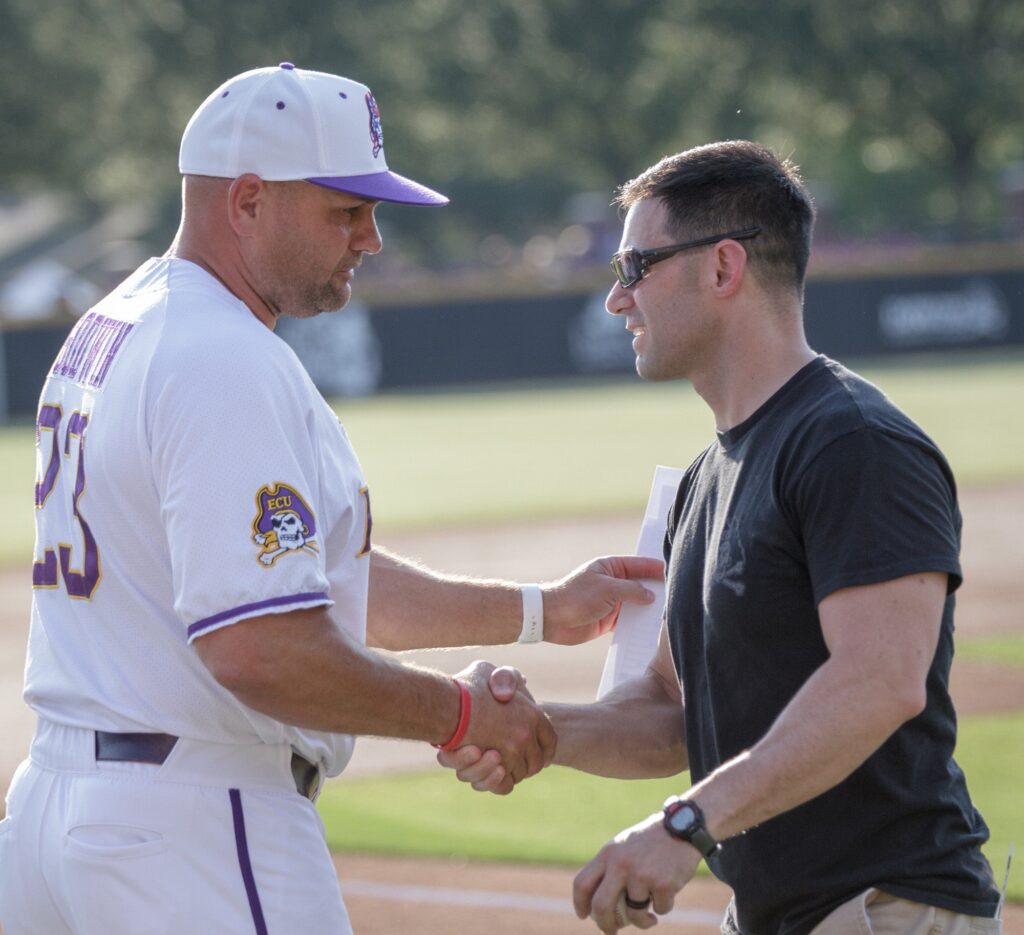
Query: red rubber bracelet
[(465, 707)]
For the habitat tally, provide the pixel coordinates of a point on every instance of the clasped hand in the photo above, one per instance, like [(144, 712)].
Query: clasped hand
[(507, 723), (485, 765)]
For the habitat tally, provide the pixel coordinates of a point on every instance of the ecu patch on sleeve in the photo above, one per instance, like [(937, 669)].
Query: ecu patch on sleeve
[(284, 524)]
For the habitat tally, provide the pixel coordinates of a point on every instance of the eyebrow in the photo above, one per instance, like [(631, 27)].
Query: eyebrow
[(359, 203)]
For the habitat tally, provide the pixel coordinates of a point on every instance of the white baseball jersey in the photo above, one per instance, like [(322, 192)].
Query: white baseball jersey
[(189, 476)]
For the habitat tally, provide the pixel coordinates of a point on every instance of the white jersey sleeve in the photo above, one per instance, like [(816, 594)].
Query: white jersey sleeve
[(236, 466)]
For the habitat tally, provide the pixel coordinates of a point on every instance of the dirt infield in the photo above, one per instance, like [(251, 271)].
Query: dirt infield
[(447, 897), (389, 896)]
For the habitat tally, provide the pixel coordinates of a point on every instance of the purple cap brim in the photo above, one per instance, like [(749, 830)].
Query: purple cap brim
[(383, 186)]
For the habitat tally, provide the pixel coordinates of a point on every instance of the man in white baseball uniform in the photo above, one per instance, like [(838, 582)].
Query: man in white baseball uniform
[(205, 585)]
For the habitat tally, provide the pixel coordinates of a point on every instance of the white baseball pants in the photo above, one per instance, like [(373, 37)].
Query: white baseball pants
[(214, 840)]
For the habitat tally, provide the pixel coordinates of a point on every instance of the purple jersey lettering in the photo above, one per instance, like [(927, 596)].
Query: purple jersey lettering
[(90, 349)]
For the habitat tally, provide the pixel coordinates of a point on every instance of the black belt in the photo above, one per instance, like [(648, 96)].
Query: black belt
[(155, 748)]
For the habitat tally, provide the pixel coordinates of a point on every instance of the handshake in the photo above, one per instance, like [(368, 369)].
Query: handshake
[(634, 732), (503, 736), (507, 736)]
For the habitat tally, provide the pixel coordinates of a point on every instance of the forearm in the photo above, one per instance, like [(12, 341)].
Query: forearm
[(299, 668), (833, 724), (313, 675), (411, 607), (635, 732)]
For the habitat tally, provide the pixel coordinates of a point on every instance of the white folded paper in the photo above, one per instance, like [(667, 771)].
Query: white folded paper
[(636, 634)]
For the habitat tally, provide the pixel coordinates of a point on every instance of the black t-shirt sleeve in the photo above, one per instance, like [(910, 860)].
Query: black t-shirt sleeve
[(872, 506)]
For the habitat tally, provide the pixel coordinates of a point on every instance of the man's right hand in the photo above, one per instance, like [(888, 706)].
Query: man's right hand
[(506, 722), (482, 765)]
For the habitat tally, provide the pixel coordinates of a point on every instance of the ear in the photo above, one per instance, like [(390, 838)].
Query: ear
[(247, 200), (730, 267)]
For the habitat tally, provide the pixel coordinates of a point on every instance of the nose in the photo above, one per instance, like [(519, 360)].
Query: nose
[(619, 300), (366, 236)]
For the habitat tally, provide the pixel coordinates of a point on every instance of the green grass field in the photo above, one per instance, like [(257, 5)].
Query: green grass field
[(445, 459), (1006, 649), (564, 817), (575, 450)]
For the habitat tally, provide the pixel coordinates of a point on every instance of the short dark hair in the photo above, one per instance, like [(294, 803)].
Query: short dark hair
[(730, 186)]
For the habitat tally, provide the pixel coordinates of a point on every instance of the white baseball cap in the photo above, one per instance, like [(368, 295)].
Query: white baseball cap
[(287, 124)]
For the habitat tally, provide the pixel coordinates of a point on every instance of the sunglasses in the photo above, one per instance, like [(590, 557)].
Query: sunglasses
[(631, 264)]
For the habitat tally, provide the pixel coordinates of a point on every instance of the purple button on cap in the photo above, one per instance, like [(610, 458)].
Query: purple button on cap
[(287, 65)]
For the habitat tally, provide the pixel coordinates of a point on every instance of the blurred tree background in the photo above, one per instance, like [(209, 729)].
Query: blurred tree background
[(907, 117)]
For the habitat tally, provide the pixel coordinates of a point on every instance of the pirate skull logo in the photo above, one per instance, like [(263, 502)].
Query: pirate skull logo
[(284, 523), (287, 533), (291, 532)]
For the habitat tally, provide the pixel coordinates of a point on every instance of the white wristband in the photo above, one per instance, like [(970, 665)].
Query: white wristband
[(533, 614)]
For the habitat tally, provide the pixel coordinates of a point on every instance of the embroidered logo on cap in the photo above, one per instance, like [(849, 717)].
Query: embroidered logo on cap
[(284, 524), (376, 133)]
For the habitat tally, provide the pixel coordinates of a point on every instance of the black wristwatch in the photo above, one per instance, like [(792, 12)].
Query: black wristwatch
[(684, 820)]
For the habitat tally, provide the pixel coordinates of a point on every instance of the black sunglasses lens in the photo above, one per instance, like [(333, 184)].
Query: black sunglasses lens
[(627, 267)]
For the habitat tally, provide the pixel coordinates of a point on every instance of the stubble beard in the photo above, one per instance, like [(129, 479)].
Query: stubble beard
[(311, 301), (648, 366), (673, 363), (297, 290), (651, 374)]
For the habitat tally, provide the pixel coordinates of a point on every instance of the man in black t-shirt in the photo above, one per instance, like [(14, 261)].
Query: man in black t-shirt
[(813, 556), (825, 489)]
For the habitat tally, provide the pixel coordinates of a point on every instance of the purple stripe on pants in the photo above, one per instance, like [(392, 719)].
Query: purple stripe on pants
[(243, 862)]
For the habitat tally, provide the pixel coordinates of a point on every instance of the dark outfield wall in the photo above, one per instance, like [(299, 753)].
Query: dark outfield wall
[(557, 336), (458, 342)]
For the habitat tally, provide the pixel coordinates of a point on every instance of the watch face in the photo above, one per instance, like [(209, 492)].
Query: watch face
[(683, 818)]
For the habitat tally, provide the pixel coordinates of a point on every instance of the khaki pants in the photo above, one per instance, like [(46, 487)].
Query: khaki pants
[(876, 913)]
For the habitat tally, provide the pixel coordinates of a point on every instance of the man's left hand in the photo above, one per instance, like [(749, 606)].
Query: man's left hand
[(585, 604), (643, 861)]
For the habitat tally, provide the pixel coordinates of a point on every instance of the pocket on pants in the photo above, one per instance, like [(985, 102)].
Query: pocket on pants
[(116, 879), (849, 918), (113, 842)]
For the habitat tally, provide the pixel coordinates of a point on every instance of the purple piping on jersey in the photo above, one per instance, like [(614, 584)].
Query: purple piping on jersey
[(244, 863), (208, 622)]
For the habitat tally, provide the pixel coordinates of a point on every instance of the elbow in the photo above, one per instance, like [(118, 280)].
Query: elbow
[(904, 705), (241, 678), (241, 668), (912, 702), (664, 758), (672, 765), (382, 637), (886, 706)]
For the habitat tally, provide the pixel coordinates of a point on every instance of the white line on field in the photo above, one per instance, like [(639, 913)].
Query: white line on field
[(489, 899)]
